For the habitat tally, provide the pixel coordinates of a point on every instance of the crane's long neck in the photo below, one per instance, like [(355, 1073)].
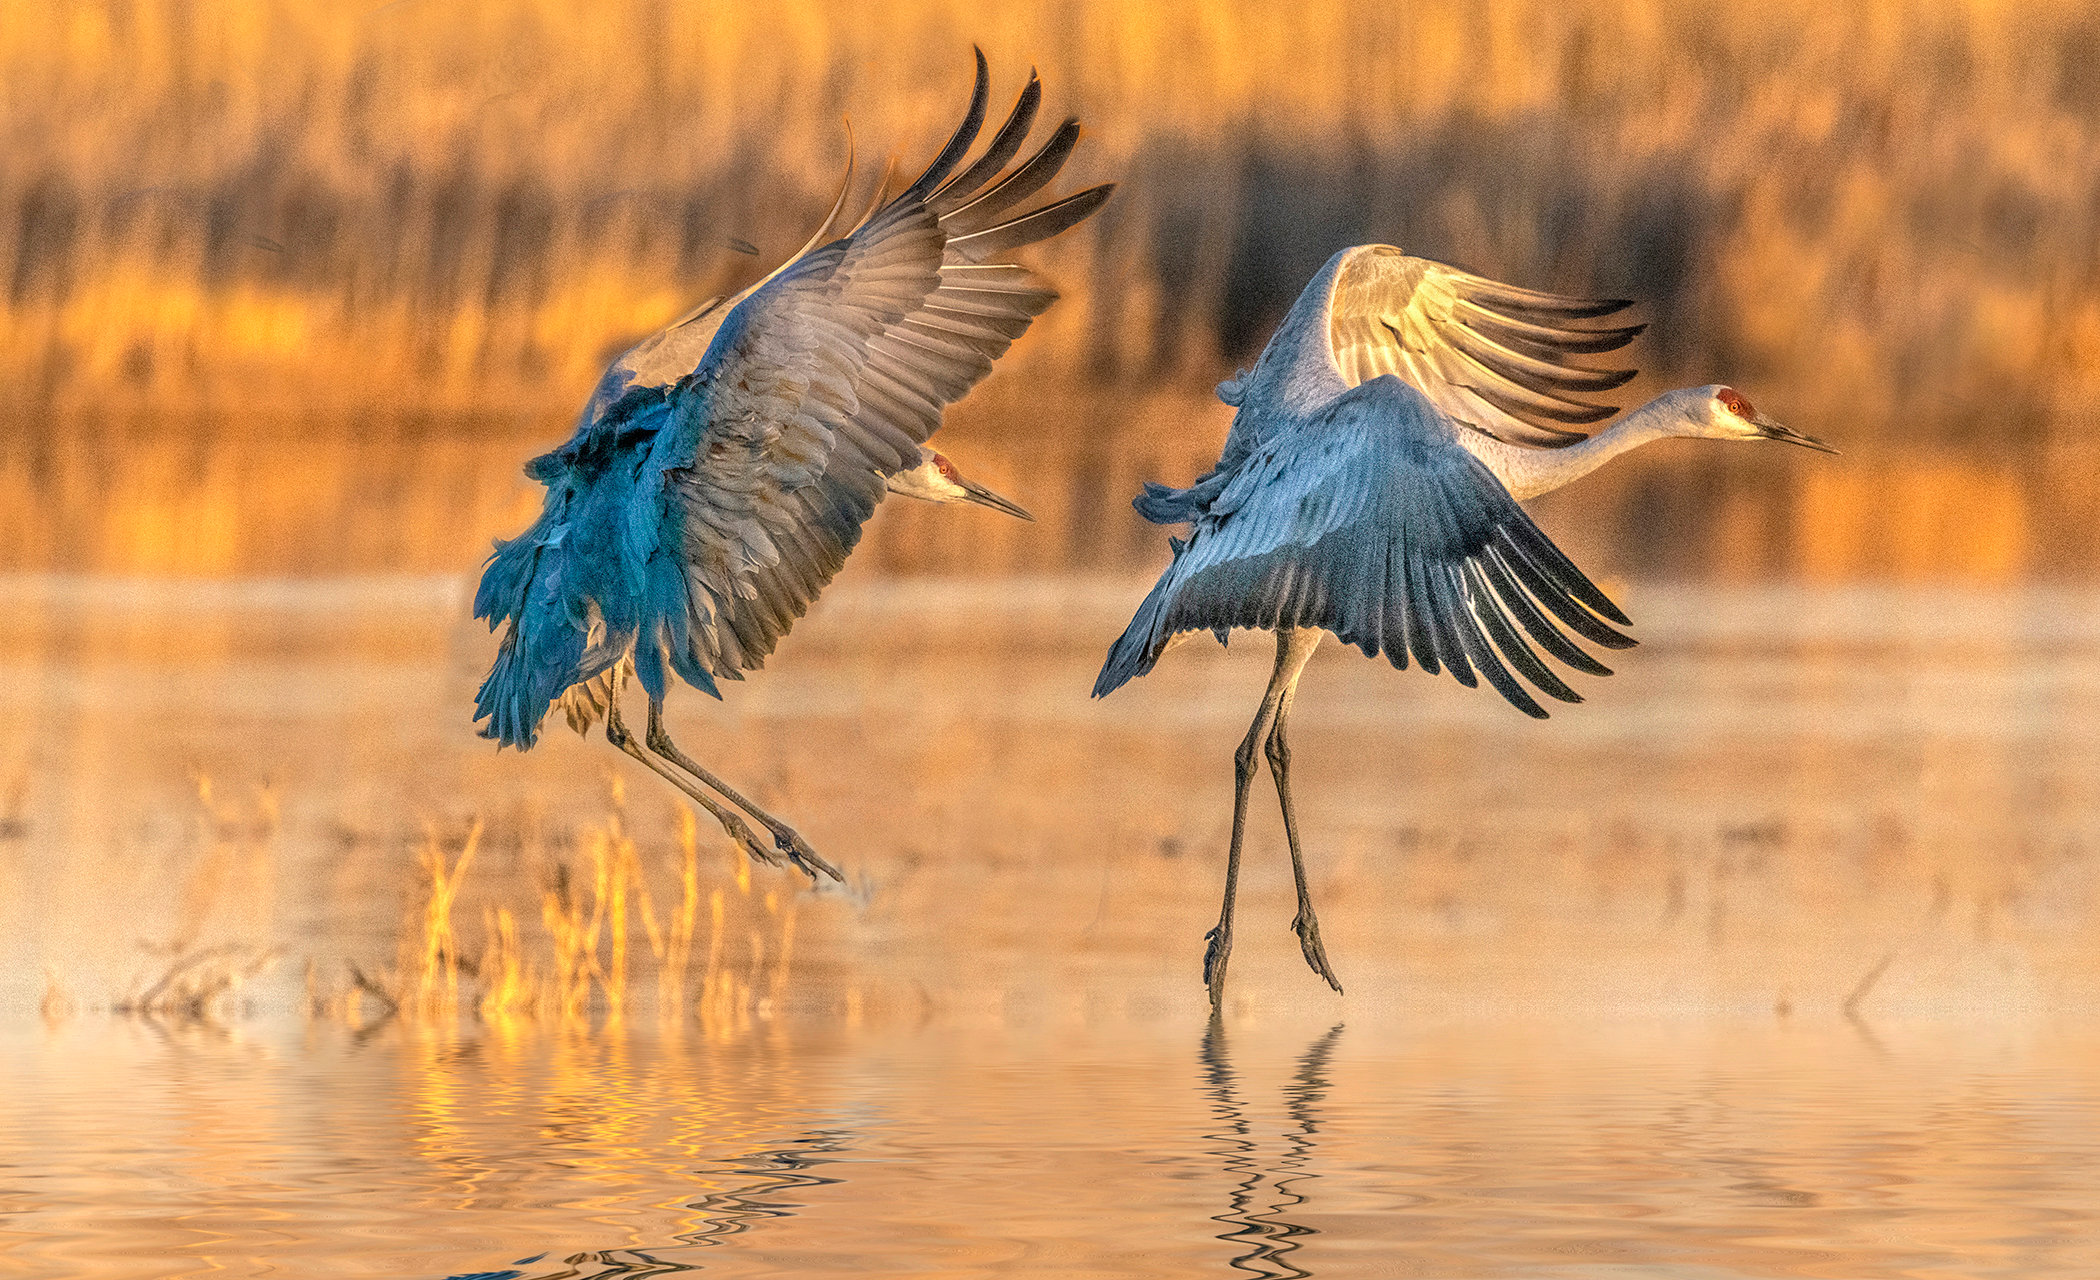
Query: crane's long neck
[(1527, 472)]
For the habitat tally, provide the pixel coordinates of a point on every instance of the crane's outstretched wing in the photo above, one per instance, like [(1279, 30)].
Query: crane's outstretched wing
[(825, 379), (1492, 356), (1374, 523)]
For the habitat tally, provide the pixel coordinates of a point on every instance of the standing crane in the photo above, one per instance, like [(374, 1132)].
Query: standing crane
[(723, 468), (1369, 488)]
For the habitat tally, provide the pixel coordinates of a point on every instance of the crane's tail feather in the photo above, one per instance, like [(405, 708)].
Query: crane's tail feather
[(526, 677), (1163, 504), (505, 578), (529, 588), (530, 672)]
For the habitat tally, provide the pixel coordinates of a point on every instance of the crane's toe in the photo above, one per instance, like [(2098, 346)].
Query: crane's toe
[(1216, 951), (1308, 930), (798, 851), (754, 848)]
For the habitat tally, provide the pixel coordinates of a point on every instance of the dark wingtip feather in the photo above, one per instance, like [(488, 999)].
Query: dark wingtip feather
[(1544, 338), (1137, 648), (1570, 308), (1553, 376), (1491, 608), (1544, 406), (1560, 586), (1032, 176), (1521, 607), (965, 134), (1004, 144), (1509, 297), (1041, 224)]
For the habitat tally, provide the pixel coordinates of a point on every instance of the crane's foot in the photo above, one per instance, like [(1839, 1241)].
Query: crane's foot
[(1217, 950), (754, 848), (1307, 928), (798, 851)]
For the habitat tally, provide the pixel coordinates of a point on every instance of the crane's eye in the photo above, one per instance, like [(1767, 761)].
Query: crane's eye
[(1735, 403), (941, 464)]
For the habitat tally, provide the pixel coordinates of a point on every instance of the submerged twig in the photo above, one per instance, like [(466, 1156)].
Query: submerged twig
[(1866, 985), (191, 986)]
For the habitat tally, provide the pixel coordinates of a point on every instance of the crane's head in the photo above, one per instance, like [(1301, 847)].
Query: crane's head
[(935, 479), (1723, 413)]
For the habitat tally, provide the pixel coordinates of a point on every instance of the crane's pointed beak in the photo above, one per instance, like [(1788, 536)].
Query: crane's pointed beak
[(975, 492), (1771, 430)]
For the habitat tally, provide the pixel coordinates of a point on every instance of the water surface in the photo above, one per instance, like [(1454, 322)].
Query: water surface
[(1773, 959), (1270, 1146)]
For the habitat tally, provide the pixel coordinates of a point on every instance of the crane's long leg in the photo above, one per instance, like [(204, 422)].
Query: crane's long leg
[(1306, 925), (792, 845), (1293, 647), (739, 830)]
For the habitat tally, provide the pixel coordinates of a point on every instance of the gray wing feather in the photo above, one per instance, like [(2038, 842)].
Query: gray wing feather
[(827, 378), (1372, 522)]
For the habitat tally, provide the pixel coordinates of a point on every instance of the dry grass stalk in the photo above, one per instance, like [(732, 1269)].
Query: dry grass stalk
[(437, 977), (228, 889), (586, 969), (678, 948)]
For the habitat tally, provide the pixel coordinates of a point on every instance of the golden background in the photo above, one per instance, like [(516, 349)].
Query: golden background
[(1776, 958), (293, 287)]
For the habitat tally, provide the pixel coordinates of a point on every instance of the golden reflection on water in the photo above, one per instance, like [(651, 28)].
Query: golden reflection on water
[(1773, 959), (1282, 1145)]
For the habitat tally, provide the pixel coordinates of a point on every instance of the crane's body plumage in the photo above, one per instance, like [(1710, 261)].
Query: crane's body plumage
[(1368, 488), (724, 467), (1355, 506)]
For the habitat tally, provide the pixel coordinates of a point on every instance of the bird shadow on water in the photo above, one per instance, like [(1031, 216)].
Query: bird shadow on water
[(1264, 1192), (774, 1175)]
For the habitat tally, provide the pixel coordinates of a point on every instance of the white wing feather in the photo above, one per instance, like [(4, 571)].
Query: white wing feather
[(1493, 357)]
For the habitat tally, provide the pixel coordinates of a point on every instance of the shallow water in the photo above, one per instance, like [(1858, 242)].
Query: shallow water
[(1774, 959), (1276, 1146)]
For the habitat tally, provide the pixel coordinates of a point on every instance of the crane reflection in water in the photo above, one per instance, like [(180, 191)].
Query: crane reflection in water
[(1271, 1237)]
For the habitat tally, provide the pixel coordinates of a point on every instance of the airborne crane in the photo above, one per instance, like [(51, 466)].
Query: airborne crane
[(723, 468)]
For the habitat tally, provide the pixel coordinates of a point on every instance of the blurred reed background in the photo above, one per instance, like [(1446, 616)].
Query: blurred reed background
[(293, 287)]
